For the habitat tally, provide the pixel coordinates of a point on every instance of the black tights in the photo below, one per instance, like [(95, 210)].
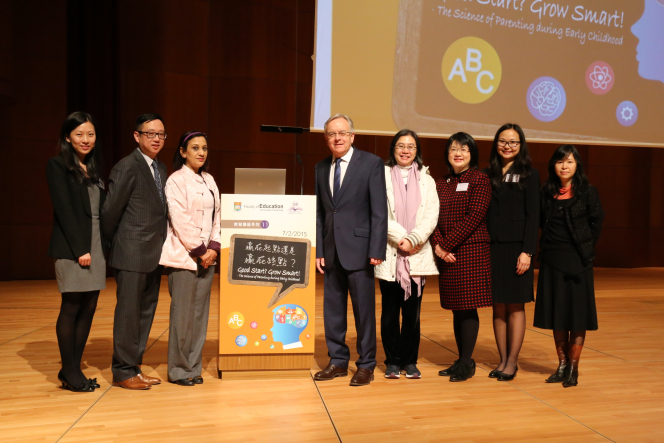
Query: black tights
[(72, 329), (466, 328), (572, 337)]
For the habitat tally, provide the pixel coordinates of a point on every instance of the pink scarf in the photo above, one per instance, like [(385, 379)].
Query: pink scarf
[(407, 200)]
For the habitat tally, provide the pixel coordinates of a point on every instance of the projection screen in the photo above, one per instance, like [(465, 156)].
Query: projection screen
[(583, 71)]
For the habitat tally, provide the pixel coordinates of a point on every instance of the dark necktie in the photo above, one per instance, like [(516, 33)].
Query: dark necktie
[(157, 180), (337, 178)]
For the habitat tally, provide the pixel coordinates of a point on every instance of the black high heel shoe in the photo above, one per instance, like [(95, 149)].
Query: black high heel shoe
[(83, 387), (93, 382), (508, 377), (495, 373)]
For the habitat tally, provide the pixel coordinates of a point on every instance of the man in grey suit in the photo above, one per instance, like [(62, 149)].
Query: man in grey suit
[(134, 220), (351, 238)]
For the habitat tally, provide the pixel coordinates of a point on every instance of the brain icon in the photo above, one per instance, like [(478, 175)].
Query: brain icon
[(292, 316), (546, 98)]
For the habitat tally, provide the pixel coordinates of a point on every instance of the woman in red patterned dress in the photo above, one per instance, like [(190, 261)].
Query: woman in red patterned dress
[(462, 243)]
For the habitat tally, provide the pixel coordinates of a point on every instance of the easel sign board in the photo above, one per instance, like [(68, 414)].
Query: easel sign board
[(267, 289)]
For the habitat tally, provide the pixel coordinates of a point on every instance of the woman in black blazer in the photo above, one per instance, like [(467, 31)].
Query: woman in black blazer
[(513, 221), (76, 187), (571, 221)]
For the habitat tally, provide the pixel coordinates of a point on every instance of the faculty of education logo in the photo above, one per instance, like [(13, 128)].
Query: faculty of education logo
[(237, 206)]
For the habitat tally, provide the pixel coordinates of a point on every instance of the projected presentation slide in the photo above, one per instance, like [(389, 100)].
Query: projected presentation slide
[(586, 71)]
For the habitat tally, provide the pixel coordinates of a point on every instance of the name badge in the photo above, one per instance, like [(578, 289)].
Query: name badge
[(462, 187), (515, 178), (507, 177)]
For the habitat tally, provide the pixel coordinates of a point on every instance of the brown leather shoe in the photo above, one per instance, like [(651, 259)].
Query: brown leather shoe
[(330, 372), (362, 377), (132, 383), (148, 380)]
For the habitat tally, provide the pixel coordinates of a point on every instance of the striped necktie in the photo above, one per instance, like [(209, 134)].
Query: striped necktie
[(157, 180)]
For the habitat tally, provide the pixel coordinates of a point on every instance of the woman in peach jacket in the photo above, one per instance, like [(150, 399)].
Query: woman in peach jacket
[(190, 253)]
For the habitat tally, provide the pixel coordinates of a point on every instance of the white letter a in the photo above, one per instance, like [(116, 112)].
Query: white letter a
[(457, 69)]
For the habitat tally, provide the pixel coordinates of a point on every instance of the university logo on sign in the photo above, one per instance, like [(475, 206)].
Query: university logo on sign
[(237, 206), (295, 209)]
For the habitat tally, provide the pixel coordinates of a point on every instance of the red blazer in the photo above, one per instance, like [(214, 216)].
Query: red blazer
[(462, 218)]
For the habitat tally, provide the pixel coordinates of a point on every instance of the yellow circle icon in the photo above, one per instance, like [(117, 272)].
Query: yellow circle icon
[(235, 320), (471, 70)]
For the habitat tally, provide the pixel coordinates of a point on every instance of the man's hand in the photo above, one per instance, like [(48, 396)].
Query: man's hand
[(320, 264), (375, 261), (85, 260)]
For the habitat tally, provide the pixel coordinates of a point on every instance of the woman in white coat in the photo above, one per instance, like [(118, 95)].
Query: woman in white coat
[(412, 216), (190, 253)]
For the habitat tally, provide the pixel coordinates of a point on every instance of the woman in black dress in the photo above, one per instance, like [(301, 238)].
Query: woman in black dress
[(571, 221), (513, 222), (77, 192)]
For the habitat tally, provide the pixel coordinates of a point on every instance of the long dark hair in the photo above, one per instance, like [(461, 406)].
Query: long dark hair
[(93, 160), (463, 139), (392, 161), (552, 184), (522, 164), (179, 161)]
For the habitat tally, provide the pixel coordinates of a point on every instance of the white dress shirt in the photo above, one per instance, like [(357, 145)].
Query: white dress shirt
[(344, 165), (149, 160)]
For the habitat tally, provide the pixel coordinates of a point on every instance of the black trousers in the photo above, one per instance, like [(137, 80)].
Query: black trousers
[(137, 297), (401, 345), (362, 287)]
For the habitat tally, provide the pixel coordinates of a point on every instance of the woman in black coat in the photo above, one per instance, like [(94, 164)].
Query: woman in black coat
[(513, 222), (76, 187), (461, 242), (571, 220)]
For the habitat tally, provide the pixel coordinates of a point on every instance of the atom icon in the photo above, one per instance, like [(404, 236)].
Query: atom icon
[(627, 113), (600, 77)]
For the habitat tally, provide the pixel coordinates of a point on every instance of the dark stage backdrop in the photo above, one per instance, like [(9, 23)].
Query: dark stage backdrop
[(224, 67)]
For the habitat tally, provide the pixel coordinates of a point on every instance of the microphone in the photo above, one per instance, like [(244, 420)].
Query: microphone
[(299, 160)]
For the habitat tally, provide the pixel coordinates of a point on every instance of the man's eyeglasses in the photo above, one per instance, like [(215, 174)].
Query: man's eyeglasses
[(511, 144), (341, 134), (161, 135)]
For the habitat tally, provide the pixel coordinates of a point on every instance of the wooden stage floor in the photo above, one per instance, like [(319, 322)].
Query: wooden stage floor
[(620, 396)]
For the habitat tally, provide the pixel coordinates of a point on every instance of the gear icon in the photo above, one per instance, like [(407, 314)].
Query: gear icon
[(627, 113)]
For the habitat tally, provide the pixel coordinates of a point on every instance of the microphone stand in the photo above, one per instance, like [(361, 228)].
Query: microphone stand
[(299, 160)]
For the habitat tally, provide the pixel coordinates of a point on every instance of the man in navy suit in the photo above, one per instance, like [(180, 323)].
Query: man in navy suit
[(351, 238)]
